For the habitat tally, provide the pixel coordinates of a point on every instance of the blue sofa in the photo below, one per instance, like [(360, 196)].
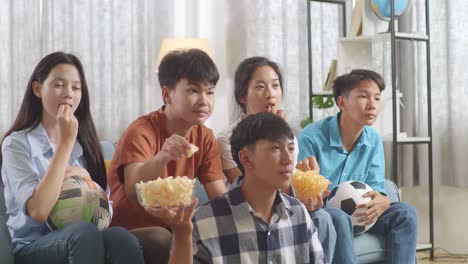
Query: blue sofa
[(369, 248)]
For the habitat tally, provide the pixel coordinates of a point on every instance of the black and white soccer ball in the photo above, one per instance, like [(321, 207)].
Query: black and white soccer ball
[(347, 196)]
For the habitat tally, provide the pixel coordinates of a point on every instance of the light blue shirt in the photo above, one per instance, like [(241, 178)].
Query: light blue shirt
[(26, 156), (364, 163)]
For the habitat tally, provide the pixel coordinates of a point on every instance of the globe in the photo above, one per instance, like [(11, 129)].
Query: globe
[(382, 8)]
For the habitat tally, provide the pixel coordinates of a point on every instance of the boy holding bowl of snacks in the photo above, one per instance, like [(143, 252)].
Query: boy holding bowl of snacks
[(254, 222), (160, 144)]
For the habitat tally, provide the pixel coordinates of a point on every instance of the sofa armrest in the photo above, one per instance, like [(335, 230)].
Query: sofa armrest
[(393, 193)]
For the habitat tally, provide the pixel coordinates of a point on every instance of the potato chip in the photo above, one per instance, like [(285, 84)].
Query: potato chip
[(309, 184), (170, 191), (192, 150)]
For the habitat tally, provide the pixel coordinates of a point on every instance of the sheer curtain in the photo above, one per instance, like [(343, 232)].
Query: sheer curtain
[(276, 29), (117, 42), (449, 93)]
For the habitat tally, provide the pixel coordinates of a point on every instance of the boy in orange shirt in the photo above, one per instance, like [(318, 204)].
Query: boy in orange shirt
[(157, 144)]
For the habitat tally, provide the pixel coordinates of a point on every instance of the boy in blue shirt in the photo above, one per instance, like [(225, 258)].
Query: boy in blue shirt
[(348, 148)]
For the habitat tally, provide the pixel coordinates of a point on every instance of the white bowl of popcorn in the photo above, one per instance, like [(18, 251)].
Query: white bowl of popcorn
[(167, 192)]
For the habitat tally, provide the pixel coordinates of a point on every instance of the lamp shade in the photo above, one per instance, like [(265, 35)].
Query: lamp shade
[(171, 44)]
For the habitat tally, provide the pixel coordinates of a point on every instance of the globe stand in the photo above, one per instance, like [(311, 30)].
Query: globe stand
[(389, 28)]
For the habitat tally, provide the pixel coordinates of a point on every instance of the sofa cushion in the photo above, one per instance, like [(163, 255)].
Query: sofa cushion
[(369, 248), (393, 193), (2, 202), (6, 251), (108, 149)]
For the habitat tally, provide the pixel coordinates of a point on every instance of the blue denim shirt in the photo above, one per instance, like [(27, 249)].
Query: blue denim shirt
[(364, 163), (26, 156)]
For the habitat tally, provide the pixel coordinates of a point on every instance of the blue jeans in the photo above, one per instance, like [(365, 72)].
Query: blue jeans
[(398, 224), (344, 248), (326, 232), (82, 243)]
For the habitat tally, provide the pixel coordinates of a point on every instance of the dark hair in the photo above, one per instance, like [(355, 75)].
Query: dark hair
[(244, 73), (263, 125), (193, 64), (30, 114), (347, 82)]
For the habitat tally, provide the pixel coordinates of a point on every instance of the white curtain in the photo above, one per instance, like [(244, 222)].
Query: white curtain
[(449, 55), (449, 94), (276, 29), (117, 42)]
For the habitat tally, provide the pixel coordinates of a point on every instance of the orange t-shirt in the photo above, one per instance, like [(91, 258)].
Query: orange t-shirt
[(140, 142)]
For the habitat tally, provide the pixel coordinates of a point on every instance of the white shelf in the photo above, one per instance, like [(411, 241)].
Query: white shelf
[(414, 139), (412, 36), (405, 139), (383, 36), (323, 93), (423, 246)]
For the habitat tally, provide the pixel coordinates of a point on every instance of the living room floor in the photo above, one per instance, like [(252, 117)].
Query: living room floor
[(450, 216), (441, 256)]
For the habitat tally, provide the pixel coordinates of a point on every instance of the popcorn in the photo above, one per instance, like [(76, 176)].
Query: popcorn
[(309, 184), (170, 191)]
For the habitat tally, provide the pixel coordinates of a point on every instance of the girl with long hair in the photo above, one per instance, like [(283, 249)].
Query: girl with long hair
[(54, 138)]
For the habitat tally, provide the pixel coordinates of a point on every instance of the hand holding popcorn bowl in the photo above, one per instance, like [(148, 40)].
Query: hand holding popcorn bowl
[(310, 187), (170, 200), (167, 192)]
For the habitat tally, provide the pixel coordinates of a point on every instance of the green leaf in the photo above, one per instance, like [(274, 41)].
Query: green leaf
[(306, 122), (322, 101)]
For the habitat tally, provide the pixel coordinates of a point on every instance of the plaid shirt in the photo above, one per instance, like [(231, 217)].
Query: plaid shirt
[(227, 230)]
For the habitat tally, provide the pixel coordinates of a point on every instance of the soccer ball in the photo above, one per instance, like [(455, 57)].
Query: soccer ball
[(80, 200), (347, 196)]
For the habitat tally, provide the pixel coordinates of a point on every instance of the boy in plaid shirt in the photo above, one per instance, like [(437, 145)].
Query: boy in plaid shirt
[(253, 223)]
